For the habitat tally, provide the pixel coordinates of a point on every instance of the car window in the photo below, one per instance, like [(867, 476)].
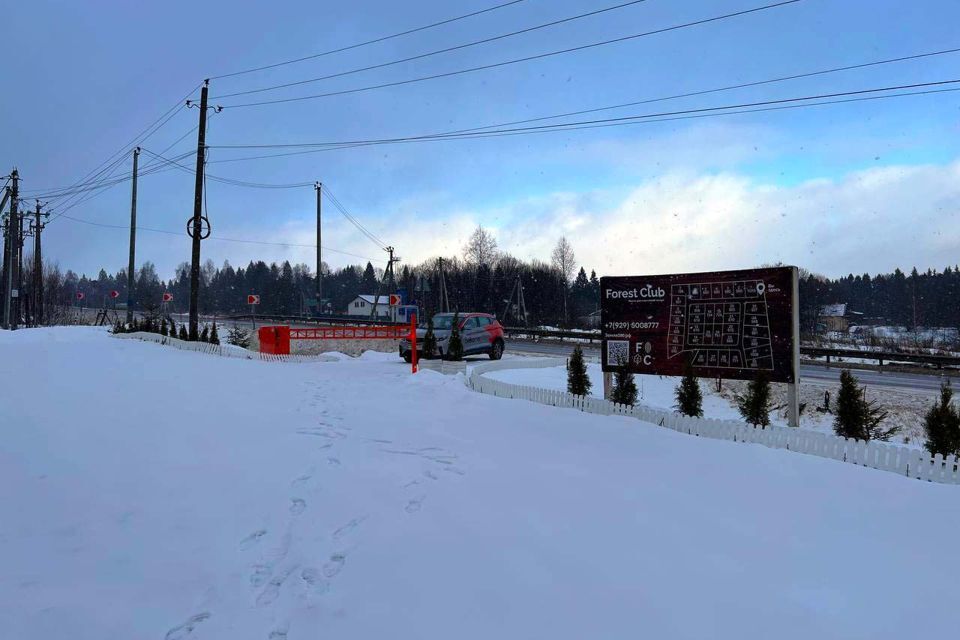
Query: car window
[(483, 320), (471, 323)]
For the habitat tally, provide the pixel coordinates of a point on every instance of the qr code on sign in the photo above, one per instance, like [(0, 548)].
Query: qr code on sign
[(618, 351)]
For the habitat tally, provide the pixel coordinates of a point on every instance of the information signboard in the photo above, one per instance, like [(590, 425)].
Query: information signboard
[(725, 324)]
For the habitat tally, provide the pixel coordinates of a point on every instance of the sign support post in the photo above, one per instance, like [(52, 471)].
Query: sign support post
[(793, 388)]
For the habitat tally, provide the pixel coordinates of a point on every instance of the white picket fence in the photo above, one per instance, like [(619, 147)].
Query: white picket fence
[(914, 463), (218, 350)]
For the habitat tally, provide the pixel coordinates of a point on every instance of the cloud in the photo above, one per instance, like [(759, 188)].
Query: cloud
[(873, 220), (867, 221)]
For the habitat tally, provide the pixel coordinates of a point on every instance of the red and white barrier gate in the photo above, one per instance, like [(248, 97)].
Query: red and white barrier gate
[(276, 340)]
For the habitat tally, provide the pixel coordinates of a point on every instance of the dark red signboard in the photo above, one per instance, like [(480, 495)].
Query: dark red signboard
[(114, 294), (726, 324)]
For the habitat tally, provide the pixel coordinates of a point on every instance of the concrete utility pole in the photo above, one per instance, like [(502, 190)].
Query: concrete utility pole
[(37, 270), (131, 265), (195, 225), (10, 309), (319, 188)]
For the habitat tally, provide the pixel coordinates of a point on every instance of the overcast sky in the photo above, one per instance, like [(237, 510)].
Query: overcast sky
[(856, 187)]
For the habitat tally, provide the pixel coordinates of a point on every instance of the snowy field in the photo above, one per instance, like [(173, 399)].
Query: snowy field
[(147, 492)]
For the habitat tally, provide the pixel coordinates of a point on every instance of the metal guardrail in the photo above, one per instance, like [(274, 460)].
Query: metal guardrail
[(939, 361)]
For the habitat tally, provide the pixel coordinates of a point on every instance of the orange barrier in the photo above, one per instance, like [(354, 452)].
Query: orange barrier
[(276, 340)]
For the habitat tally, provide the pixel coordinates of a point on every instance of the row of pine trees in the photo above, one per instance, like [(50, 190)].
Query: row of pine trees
[(855, 417)]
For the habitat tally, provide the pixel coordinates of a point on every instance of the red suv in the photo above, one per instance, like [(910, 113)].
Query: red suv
[(480, 333)]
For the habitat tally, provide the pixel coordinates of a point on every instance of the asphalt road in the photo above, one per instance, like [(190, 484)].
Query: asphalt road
[(926, 383)]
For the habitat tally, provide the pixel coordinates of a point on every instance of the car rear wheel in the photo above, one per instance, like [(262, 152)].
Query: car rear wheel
[(407, 357), (496, 351)]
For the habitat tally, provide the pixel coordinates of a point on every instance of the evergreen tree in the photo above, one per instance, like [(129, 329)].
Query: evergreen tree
[(214, 336), (164, 330), (624, 388), (856, 417), (754, 406), (429, 340), (183, 333), (578, 381), (205, 334), (239, 337), (688, 395), (173, 329), (455, 345), (942, 424)]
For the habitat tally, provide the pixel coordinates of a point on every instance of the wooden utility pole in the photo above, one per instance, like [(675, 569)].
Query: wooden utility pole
[(195, 225), (10, 255), (387, 275), (319, 188), (37, 270), (131, 263), (444, 296)]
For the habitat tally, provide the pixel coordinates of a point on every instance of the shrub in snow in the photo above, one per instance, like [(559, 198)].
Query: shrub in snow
[(183, 333), (164, 330), (238, 337), (205, 334), (942, 424), (856, 417), (688, 394), (578, 382), (173, 329), (455, 346), (754, 405), (624, 388), (429, 340), (214, 336)]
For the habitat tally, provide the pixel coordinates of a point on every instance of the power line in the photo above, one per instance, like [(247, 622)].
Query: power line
[(151, 129), (346, 214), (369, 42), (581, 124), (221, 239), (649, 100), (515, 60), (233, 181), (435, 52)]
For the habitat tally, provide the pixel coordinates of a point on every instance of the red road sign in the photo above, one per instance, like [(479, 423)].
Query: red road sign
[(394, 299), (114, 294), (168, 297), (253, 299), (80, 295)]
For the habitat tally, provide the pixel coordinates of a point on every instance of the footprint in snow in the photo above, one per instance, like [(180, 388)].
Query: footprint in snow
[(348, 528), (278, 634), (300, 481), (335, 564), (272, 591), (414, 505), (333, 461), (261, 573), (185, 629), (297, 505), (252, 539), (313, 582)]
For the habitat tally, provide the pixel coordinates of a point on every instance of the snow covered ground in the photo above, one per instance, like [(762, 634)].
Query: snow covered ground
[(147, 492), (905, 409)]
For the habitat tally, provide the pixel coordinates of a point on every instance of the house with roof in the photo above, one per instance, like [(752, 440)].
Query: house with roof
[(362, 305), (838, 317)]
